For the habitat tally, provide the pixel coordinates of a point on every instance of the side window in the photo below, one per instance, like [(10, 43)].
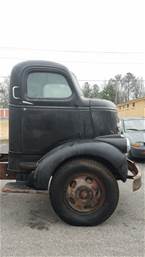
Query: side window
[(47, 85)]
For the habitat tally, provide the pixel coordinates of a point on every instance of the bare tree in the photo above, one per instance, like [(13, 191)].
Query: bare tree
[(87, 90), (4, 93), (138, 89), (129, 81)]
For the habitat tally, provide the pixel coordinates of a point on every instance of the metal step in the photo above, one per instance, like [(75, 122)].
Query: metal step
[(4, 174)]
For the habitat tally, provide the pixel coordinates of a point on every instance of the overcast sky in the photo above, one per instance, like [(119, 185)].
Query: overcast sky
[(94, 39)]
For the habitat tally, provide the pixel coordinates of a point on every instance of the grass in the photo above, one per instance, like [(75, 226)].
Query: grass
[(4, 131)]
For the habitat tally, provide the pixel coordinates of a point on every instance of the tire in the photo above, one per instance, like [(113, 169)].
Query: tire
[(84, 192)]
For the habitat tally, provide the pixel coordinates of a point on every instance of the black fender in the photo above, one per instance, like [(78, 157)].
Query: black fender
[(95, 150)]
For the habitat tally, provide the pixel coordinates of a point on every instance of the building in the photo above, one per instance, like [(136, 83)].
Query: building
[(4, 113), (132, 108)]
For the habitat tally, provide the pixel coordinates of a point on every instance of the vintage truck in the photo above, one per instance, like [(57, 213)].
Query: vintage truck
[(64, 143)]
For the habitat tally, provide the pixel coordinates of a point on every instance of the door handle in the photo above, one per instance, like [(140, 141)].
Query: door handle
[(13, 92)]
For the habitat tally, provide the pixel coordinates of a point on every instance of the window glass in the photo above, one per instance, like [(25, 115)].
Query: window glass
[(47, 85)]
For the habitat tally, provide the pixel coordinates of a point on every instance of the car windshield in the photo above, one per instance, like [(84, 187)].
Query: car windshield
[(134, 125)]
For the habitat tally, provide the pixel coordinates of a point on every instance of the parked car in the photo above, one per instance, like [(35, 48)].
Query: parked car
[(134, 130)]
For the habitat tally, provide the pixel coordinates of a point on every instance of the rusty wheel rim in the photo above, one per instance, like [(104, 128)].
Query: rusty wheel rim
[(85, 193)]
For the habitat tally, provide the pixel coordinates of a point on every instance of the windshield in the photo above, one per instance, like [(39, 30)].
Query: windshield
[(134, 125)]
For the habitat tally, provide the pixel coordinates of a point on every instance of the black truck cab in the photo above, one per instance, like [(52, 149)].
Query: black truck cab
[(47, 109), (57, 133)]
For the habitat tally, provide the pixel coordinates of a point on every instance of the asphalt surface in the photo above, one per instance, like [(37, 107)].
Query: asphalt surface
[(29, 227)]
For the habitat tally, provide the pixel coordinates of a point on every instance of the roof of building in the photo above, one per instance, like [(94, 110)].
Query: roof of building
[(132, 118), (132, 101)]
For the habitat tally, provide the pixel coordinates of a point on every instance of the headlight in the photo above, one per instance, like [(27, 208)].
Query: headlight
[(137, 144), (128, 145)]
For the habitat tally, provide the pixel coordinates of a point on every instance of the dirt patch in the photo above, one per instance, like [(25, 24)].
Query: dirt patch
[(39, 221)]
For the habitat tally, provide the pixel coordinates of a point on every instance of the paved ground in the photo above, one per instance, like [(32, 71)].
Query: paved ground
[(29, 227)]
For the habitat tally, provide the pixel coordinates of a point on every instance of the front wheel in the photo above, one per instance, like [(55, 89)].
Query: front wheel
[(84, 192)]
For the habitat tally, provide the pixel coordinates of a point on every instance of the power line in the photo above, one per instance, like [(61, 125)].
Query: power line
[(101, 80), (85, 62), (11, 48), (3, 77), (82, 80)]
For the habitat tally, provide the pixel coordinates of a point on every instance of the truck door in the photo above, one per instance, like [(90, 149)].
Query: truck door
[(50, 114)]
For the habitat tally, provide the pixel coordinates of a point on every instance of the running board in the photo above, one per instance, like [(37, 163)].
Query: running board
[(21, 187)]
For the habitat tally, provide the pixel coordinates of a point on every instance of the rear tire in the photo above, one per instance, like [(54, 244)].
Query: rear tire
[(84, 192)]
